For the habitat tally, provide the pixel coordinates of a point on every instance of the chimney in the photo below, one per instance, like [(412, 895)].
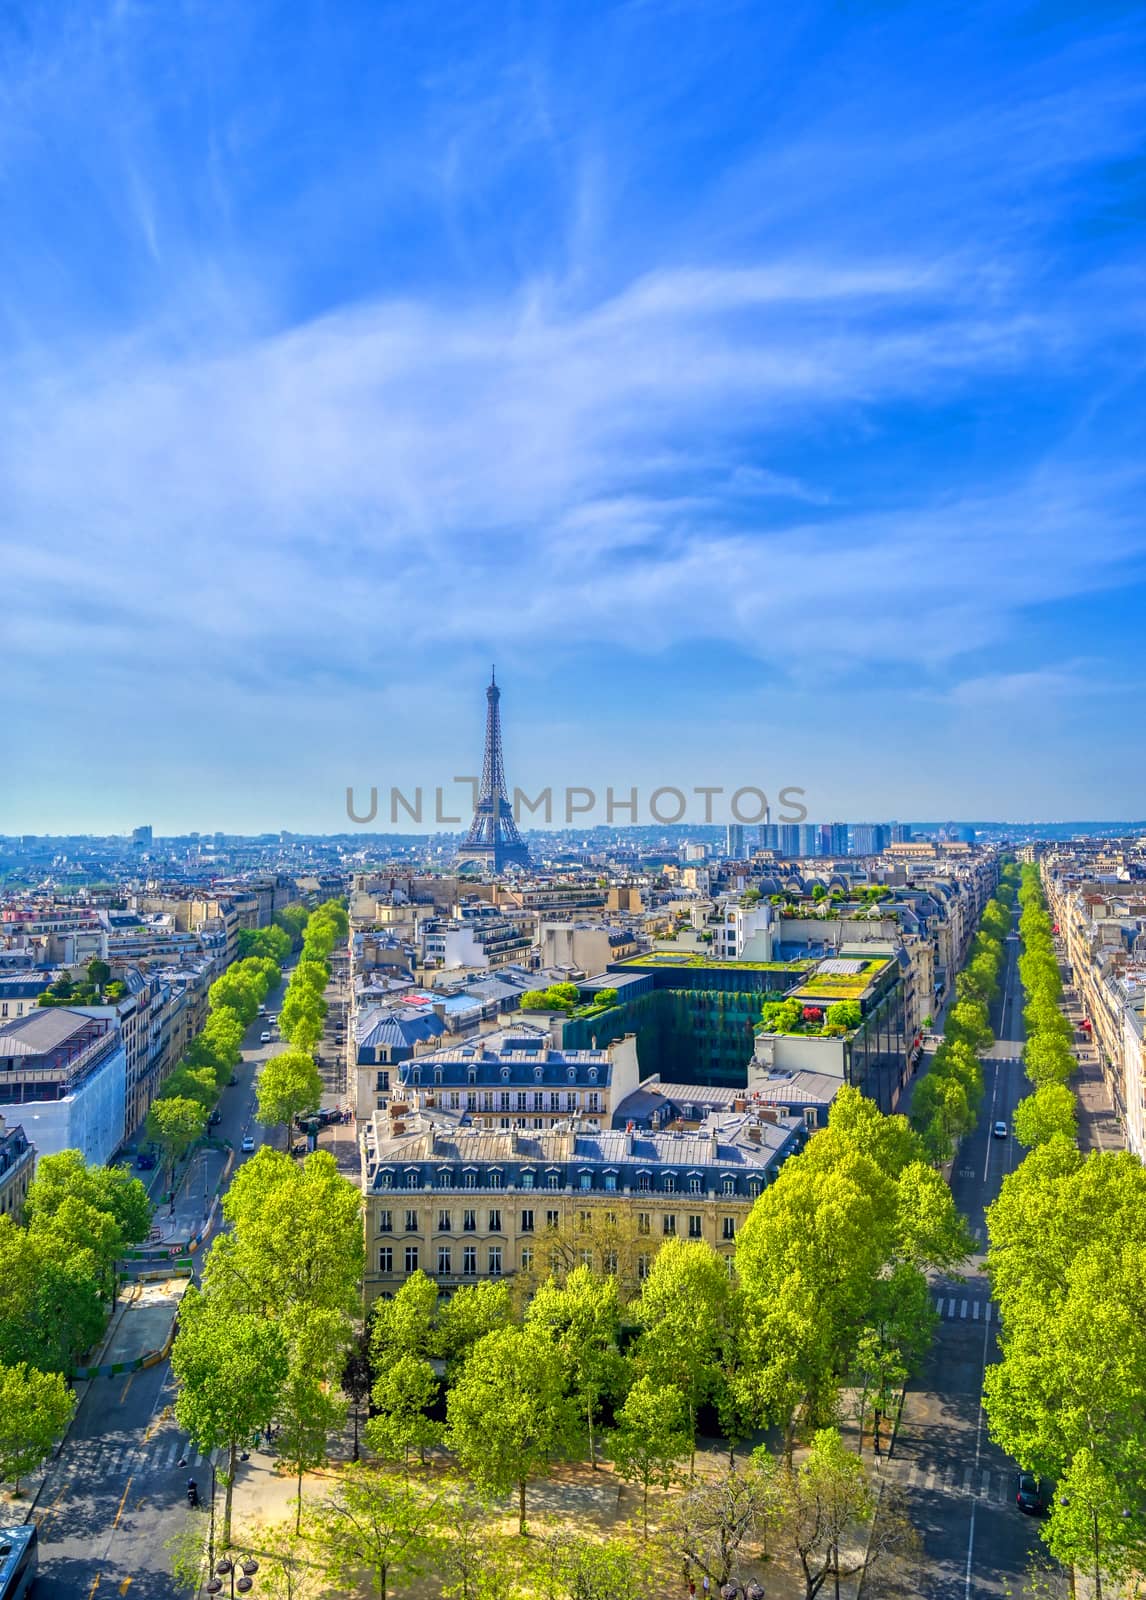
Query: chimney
[(754, 1132)]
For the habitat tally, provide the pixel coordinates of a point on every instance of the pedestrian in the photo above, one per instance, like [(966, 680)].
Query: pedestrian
[(692, 1588), (706, 1586)]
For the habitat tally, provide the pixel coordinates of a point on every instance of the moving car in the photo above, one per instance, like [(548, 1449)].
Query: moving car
[(1029, 1496), (214, 1119), (248, 1143), (1000, 1130), (265, 1036), (145, 1161)]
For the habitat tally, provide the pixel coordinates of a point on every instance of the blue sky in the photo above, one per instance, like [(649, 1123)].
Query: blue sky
[(761, 386)]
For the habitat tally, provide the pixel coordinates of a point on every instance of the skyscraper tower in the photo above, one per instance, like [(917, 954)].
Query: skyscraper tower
[(493, 841)]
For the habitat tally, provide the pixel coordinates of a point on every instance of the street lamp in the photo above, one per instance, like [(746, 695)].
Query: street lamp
[(226, 1568)]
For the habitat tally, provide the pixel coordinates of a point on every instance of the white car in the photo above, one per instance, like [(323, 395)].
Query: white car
[(248, 1144), (265, 1037), (1000, 1130)]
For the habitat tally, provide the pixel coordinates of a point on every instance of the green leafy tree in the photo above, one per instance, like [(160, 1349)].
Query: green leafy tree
[(509, 1414), (375, 1524), (230, 1369), (50, 1308), (405, 1325), (309, 1407), (289, 1086), (683, 1313), (1090, 1526), (467, 1316), (35, 1408), (706, 1529), (296, 1237), (583, 1317), (651, 1436), (174, 1125), (967, 1020), (1049, 1113), (403, 1394)]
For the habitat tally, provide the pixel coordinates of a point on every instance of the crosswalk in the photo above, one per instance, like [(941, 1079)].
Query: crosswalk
[(107, 1457), (963, 1308), (968, 1483)]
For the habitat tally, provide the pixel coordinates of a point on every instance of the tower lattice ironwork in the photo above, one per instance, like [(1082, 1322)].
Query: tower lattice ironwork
[(493, 840)]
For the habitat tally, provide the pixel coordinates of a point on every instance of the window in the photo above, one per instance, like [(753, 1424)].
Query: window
[(382, 1083), (668, 1223), (385, 1259), (587, 1258), (437, 1074), (592, 1074), (505, 1074), (538, 1102), (537, 1074), (522, 1100), (527, 1259), (527, 1222), (495, 1261), (585, 1180), (385, 1222), (642, 1267), (469, 1221), (554, 1101), (415, 1074), (728, 1185), (444, 1268), (471, 1075), (584, 1221), (728, 1228), (455, 1100), (553, 1219), (642, 1222), (669, 1183), (503, 1100), (385, 1180), (644, 1182), (594, 1101), (609, 1261), (411, 1258), (553, 1180), (411, 1222), (469, 1261), (445, 1222), (471, 1180), (695, 1184), (445, 1178), (495, 1222), (413, 1181), (754, 1188), (471, 1102), (611, 1182), (527, 1180), (695, 1229)]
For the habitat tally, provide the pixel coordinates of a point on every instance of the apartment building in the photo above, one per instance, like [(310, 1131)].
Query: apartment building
[(63, 1075), (515, 1078), (17, 1161), (1102, 926), (467, 1203)]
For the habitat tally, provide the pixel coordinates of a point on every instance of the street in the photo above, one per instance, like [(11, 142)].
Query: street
[(115, 1492)]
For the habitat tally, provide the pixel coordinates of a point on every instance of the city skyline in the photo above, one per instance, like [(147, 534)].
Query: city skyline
[(773, 405)]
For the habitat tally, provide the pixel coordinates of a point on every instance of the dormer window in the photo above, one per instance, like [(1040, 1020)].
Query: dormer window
[(471, 1075), (537, 1074), (592, 1074), (437, 1074), (386, 1179), (572, 1074), (670, 1183), (505, 1074)]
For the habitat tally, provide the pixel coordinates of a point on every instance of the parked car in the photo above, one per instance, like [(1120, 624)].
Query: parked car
[(1029, 1497), (1000, 1130), (145, 1161), (232, 1081), (265, 1036), (214, 1119), (248, 1143)]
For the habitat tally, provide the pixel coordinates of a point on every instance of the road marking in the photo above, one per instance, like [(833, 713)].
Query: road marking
[(126, 1387), (967, 1481), (987, 1312), (963, 1310), (986, 1489), (126, 1585), (951, 1308), (948, 1479), (938, 1305), (123, 1498), (975, 1312), (930, 1484), (95, 1584), (978, 1455)]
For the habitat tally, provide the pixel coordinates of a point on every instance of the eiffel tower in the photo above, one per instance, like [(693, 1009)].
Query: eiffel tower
[(493, 841)]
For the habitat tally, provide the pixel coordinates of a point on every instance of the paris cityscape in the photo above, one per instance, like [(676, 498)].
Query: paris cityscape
[(573, 844)]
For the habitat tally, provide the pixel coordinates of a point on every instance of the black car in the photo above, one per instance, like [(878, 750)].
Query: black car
[(145, 1161), (214, 1119), (1029, 1496)]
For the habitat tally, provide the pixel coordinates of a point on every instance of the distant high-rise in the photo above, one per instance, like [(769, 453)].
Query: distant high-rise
[(769, 836), (493, 840), (809, 839), (869, 838), (734, 841), (142, 836), (790, 839), (901, 833), (837, 838)]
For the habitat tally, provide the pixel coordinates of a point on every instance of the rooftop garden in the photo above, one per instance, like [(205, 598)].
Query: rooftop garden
[(841, 985), (697, 958), (96, 989), (792, 1016)]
